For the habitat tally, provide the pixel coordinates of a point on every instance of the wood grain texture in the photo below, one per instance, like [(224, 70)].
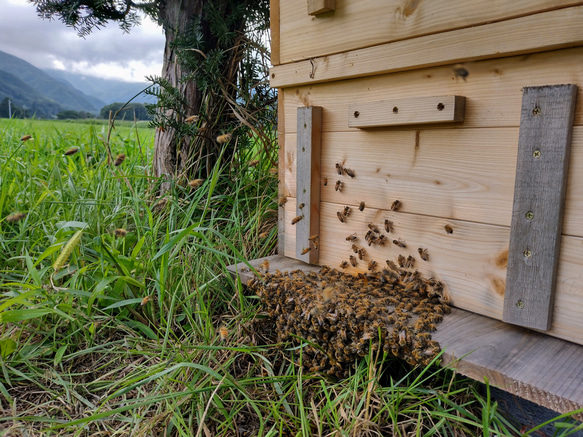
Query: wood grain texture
[(402, 112), (542, 369), (318, 7), (537, 217), (471, 260), (308, 178), (365, 23), (281, 171), (274, 31), (493, 89), (527, 34)]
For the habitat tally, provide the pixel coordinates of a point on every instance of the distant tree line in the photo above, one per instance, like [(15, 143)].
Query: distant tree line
[(133, 111)]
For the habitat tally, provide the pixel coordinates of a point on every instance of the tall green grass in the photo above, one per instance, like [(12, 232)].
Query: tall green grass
[(112, 334)]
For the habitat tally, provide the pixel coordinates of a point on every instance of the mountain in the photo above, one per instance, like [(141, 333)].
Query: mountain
[(107, 90), (47, 87), (27, 97)]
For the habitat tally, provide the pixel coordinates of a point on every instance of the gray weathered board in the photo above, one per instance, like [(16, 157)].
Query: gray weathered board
[(402, 112), (537, 214), (308, 183)]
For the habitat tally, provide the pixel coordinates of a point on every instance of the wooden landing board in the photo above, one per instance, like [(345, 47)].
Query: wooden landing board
[(402, 112), (542, 369), (309, 138), (537, 218), (492, 40), (318, 7)]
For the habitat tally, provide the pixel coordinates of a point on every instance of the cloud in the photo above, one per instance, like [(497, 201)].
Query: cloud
[(107, 53)]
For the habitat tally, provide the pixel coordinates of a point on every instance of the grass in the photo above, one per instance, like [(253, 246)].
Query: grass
[(104, 334)]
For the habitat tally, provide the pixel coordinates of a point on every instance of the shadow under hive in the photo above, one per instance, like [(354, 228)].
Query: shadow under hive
[(344, 316)]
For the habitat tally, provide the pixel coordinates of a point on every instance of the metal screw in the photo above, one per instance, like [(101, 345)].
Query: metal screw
[(520, 304), (527, 253), (530, 215), (536, 111), (536, 154)]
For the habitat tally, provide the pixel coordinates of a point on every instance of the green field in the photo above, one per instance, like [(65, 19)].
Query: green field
[(111, 300)]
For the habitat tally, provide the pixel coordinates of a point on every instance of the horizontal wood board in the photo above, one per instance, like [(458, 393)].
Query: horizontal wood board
[(530, 34), (364, 23), (493, 89), (461, 174), (537, 367), (544, 146), (471, 260)]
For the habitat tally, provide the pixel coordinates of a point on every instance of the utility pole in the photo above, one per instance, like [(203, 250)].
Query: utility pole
[(9, 109)]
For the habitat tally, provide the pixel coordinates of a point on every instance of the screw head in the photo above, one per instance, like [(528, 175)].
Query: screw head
[(520, 304), (529, 215), (536, 111), (527, 253), (536, 154)]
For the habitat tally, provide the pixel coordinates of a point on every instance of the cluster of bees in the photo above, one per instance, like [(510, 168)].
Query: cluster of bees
[(342, 317)]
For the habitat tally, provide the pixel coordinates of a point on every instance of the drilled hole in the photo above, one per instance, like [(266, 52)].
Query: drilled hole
[(356, 114), (395, 110), (440, 106)]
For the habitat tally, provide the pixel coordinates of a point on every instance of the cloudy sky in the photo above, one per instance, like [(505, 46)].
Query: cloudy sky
[(107, 53)]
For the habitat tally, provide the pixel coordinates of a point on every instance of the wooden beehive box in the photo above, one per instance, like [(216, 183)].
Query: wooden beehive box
[(465, 112)]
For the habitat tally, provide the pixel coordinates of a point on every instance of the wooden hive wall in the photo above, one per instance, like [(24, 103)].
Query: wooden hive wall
[(461, 175)]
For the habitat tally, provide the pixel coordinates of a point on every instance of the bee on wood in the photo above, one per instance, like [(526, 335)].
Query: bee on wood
[(120, 233), (353, 261), (399, 243), (296, 219), (361, 206), (388, 226), (145, 300), (15, 217), (352, 237), (306, 250), (225, 138), (423, 254), (282, 201), (349, 172), (338, 186), (347, 211), (361, 254), (325, 181), (301, 205), (372, 265), (196, 183), (382, 240), (339, 168), (401, 260), (448, 229), (224, 333), (396, 205), (392, 265), (340, 216), (120, 158), (71, 151), (373, 228), (355, 248), (314, 238), (344, 264), (264, 265), (460, 71)]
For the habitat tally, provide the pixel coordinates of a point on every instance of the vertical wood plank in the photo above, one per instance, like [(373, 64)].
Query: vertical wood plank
[(274, 25), (281, 171), (317, 7), (309, 137), (544, 141)]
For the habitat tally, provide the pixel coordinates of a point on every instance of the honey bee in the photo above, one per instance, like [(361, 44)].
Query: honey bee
[(15, 217), (401, 260), (399, 243), (355, 248), (71, 151), (296, 219), (196, 183), (396, 205), (26, 138), (338, 186), (361, 206), (301, 205), (282, 201), (460, 71), (403, 338), (347, 211), (382, 240), (388, 226), (120, 158), (120, 233), (145, 300), (225, 138), (392, 265), (373, 228), (361, 254), (264, 265), (224, 333), (306, 250), (353, 261), (423, 254), (372, 265), (339, 168), (340, 216), (263, 235), (314, 238), (325, 181), (349, 172), (253, 163), (448, 229), (410, 262), (344, 264), (191, 119), (352, 237)]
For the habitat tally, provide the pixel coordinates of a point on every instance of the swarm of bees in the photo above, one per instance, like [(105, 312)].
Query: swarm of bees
[(341, 317)]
